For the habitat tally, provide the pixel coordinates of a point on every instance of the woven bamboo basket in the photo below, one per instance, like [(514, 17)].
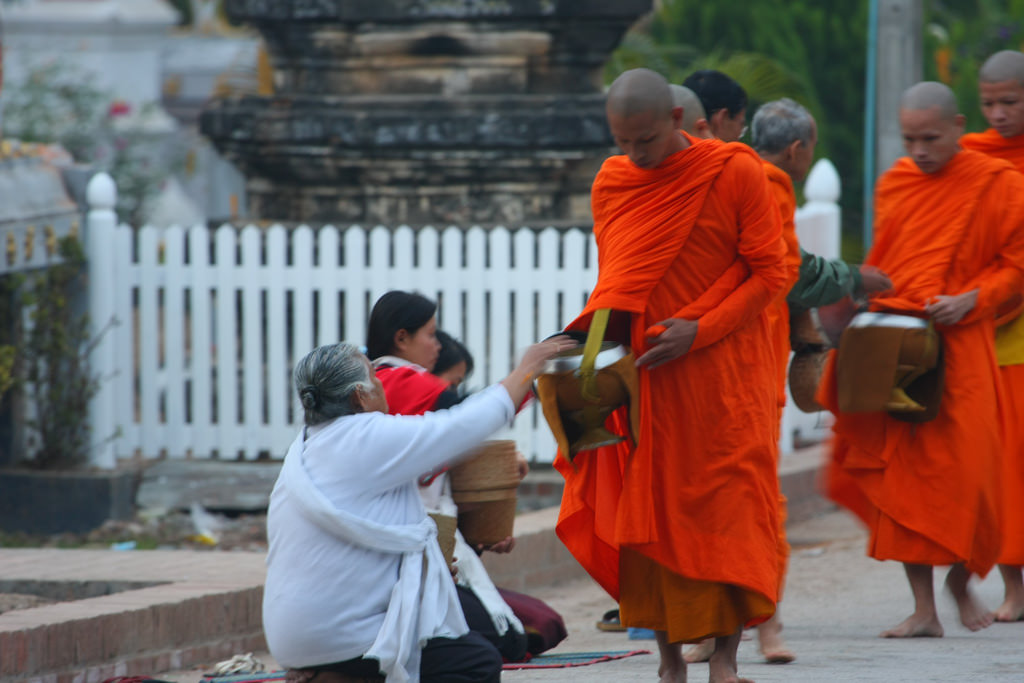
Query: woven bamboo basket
[(445, 535), (805, 372), (484, 488)]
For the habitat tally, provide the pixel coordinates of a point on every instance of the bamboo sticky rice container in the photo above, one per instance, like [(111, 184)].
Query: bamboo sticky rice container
[(484, 489), (445, 536)]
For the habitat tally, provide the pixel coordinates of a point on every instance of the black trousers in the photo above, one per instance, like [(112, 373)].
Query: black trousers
[(512, 645), (469, 659)]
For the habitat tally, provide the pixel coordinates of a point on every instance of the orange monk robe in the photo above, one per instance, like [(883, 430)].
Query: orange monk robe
[(930, 493), (781, 188), (697, 497), (1010, 354)]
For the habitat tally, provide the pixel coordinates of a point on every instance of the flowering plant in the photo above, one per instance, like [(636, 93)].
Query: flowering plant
[(59, 103)]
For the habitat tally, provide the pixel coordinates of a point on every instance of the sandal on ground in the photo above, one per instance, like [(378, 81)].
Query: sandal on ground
[(610, 621)]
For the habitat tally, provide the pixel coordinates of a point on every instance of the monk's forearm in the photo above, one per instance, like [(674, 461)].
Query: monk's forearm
[(995, 287), (739, 308)]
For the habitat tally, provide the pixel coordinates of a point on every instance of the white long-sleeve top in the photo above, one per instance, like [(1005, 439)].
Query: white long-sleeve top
[(348, 537)]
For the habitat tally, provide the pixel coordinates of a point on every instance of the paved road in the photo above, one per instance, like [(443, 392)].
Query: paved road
[(837, 601)]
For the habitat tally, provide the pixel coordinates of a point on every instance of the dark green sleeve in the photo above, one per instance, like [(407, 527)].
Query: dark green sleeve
[(823, 281)]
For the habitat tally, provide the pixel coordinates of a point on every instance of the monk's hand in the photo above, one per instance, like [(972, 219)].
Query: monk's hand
[(673, 342), (873, 280), (949, 310), (499, 547)]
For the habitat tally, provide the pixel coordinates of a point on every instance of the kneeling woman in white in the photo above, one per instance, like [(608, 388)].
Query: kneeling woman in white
[(356, 582)]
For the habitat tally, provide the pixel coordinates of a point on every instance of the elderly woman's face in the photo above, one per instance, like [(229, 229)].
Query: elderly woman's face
[(374, 399)]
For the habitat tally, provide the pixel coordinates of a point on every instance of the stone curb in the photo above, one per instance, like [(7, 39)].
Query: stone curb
[(207, 605), (540, 558)]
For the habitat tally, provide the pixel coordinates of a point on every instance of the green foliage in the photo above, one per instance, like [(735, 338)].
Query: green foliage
[(10, 336), (763, 78), (811, 51), (54, 347), (7, 357), (960, 36), (55, 103)]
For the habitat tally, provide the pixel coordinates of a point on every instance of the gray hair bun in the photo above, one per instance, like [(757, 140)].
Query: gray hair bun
[(310, 397)]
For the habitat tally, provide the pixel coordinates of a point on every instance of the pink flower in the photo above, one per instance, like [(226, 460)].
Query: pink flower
[(119, 108)]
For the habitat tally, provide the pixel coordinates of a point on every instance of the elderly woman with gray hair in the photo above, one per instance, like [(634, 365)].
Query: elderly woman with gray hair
[(356, 583)]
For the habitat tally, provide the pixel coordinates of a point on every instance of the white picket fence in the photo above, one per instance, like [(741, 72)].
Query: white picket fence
[(210, 323)]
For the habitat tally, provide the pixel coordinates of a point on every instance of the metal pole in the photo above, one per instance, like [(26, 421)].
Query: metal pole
[(870, 89)]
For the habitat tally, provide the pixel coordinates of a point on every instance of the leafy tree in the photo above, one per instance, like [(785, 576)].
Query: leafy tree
[(813, 52), (59, 382), (960, 36), (44, 349)]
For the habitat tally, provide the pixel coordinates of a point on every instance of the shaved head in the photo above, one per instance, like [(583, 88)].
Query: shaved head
[(692, 108), (1001, 91), (930, 94), (931, 125), (1007, 65), (642, 119), (640, 91)]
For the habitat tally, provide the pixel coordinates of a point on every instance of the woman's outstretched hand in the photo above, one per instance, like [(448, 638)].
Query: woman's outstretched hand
[(532, 364)]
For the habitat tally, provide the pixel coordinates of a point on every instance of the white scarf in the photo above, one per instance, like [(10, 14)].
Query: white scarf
[(471, 573), (424, 603)]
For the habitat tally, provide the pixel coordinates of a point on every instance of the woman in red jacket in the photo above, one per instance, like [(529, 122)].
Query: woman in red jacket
[(402, 343)]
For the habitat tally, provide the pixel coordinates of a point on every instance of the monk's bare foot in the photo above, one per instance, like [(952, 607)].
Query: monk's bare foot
[(722, 666), (1008, 613), (1012, 608), (973, 614), (773, 647), (725, 675), (671, 675), (915, 626), (701, 652), (672, 667)]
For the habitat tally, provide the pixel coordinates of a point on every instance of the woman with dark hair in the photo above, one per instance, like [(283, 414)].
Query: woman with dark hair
[(454, 361), (401, 340), (356, 583), (515, 623)]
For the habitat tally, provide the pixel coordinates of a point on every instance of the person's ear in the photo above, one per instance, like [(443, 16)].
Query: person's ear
[(401, 340), (677, 117), (702, 129), (960, 121), (716, 120), (358, 398), (791, 150)]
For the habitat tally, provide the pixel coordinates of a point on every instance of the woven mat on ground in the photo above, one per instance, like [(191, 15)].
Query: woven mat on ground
[(566, 659), (553, 661), (245, 678)]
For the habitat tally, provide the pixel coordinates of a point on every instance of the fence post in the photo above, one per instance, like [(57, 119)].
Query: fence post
[(819, 228), (100, 226), (822, 193)]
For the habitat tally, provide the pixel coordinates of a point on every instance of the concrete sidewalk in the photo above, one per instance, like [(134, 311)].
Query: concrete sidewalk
[(189, 610), (837, 601)]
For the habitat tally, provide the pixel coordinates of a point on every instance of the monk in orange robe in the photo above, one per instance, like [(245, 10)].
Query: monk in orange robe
[(694, 121), (783, 167), (1001, 82), (681, 528), (948, 230), (785, 135)]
